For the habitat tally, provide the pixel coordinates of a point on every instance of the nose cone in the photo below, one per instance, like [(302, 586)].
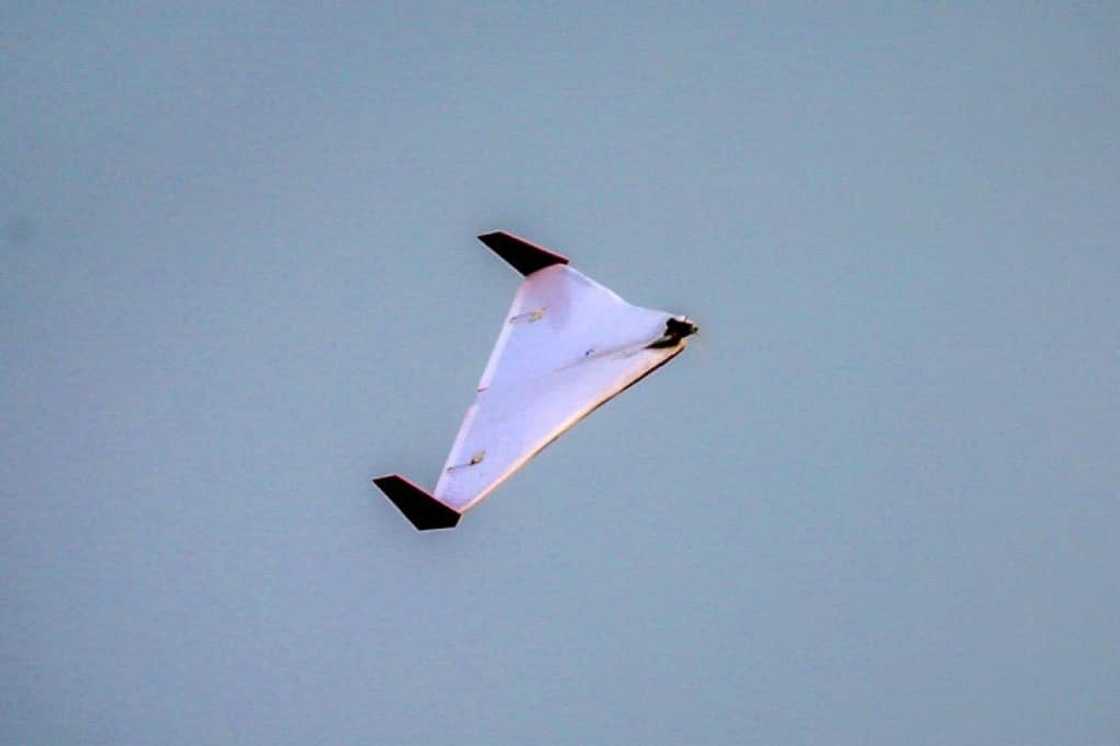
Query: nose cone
[(676, 329), (681, 327)]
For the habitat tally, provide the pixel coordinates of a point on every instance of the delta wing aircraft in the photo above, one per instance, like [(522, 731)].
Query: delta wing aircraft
[(567, 346)]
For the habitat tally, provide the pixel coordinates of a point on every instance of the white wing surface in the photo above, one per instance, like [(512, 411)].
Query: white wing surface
[(567, 345)]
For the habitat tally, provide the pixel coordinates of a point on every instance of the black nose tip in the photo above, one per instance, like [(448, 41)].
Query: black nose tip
[(675, 330), (680, 328)]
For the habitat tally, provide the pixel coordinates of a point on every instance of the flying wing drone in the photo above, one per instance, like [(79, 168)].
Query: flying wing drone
[(567, 346)]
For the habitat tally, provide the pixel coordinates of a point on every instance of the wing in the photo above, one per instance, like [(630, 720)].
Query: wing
[(567, 346)]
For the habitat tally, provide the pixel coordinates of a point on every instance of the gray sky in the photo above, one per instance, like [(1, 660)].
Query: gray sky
[(876, 503)]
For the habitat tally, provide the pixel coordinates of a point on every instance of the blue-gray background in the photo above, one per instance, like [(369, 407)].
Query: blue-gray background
[(875, 504)]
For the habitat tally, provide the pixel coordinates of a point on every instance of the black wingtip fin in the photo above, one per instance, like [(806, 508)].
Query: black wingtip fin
[(524, 256), (424, 511)]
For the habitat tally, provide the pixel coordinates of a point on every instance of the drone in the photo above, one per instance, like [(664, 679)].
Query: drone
[(567, 346)]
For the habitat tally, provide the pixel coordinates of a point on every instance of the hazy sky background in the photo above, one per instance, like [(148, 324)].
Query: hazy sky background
[(877, 503)]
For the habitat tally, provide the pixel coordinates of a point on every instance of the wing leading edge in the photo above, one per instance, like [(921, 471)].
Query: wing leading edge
[(567, 346)]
